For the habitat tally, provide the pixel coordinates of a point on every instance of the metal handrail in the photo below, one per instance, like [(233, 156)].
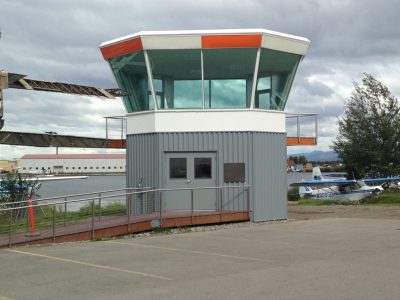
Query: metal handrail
[(222, 207), (141, 191), (299, 116), (294, 115), (76, 195)]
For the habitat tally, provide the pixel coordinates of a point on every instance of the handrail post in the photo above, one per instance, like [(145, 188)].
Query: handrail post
[(54, 223), (9, 229), (128, 208), (298, 128), (145, 204), (221, 204), (161, 208), (93, 219), (99, 206), (191, 204), (65, 210), (248, 201), (27, 220)]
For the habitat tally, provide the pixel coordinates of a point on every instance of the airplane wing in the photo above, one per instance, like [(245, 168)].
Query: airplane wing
[(51, 178), (338, 182), (55, 178), (336, 175), (381, 180)]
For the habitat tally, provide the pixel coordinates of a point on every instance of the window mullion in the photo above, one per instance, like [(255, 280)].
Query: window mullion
[(202, 79), (150, 76), (253, 92)]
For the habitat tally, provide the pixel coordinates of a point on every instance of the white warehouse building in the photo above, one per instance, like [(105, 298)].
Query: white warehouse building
[(73, 163)]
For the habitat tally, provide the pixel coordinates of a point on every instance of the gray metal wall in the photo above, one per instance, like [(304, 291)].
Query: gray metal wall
[(269, 177), (263, 153)]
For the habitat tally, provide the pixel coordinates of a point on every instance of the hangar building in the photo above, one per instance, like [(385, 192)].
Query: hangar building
[(73, 163)]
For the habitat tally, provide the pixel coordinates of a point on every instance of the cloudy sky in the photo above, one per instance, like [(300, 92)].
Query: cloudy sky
[(58, 41)]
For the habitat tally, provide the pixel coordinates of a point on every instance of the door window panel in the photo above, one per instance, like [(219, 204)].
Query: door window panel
[(202, 168), (177, 168)]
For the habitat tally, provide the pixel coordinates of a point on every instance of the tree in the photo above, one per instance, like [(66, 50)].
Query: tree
[(14, 188), (301, 159), (368, 142)]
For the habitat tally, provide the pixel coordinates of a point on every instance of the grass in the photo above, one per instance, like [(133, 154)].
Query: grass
[(44, 217), (325, 202), (389, 197)]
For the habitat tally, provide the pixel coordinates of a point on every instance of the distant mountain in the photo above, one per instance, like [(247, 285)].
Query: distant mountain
[(318, 155)]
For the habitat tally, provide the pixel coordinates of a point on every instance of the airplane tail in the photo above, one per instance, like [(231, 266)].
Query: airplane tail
[(316, 173)]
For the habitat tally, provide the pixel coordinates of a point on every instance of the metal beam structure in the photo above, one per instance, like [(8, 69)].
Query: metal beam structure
[(55, 140), (18, 81), (3, 85)]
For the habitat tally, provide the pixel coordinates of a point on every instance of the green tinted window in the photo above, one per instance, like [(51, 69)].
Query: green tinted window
[(228, 77), (177, 78), (131, 75), (276, 71)]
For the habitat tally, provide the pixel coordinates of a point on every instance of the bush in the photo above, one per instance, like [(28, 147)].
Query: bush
[(293, 194)]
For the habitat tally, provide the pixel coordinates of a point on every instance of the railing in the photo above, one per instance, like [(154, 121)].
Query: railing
[(51, 217), (302, 129)]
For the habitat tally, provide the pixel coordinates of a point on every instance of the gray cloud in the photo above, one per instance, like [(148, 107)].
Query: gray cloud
[(58, 41)]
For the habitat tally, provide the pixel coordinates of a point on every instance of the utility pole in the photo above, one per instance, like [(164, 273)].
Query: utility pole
[(3, 85)]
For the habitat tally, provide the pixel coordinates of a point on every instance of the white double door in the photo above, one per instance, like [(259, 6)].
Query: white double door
[(191, 170)]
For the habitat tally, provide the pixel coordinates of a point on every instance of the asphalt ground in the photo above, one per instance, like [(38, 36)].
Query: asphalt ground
[(330, 258)]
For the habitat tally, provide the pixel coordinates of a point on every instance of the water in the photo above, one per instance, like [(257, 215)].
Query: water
[(103, 183), (296, 177), (79, 186)]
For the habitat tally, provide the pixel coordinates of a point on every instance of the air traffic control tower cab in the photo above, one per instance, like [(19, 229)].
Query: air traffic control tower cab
[(209, 100)]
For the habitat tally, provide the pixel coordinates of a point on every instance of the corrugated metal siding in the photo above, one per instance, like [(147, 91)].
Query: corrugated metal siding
[(142, 160), (270, 178), (263, 153)]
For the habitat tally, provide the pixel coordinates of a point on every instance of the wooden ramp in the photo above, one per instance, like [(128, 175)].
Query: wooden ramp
[(119, 225)]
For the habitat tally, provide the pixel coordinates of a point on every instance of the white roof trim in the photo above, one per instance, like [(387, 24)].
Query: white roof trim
[(205, 32)]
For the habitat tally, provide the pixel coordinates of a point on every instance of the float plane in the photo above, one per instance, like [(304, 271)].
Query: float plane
[(340, 189)]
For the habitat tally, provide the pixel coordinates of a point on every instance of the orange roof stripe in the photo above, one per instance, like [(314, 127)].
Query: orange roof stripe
[(231, 41), (122, 48)]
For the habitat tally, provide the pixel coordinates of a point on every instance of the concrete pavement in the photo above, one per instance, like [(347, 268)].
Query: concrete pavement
[(317, 259)]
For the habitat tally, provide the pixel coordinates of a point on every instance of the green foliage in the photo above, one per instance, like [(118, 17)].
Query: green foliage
[(301, 159), (293, 194), (14, 187), (369, 131), (325, 202), (387, 197), (112, 209), (44, 216)]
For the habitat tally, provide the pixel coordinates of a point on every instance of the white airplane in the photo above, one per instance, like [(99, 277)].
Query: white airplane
[(340, 189)]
